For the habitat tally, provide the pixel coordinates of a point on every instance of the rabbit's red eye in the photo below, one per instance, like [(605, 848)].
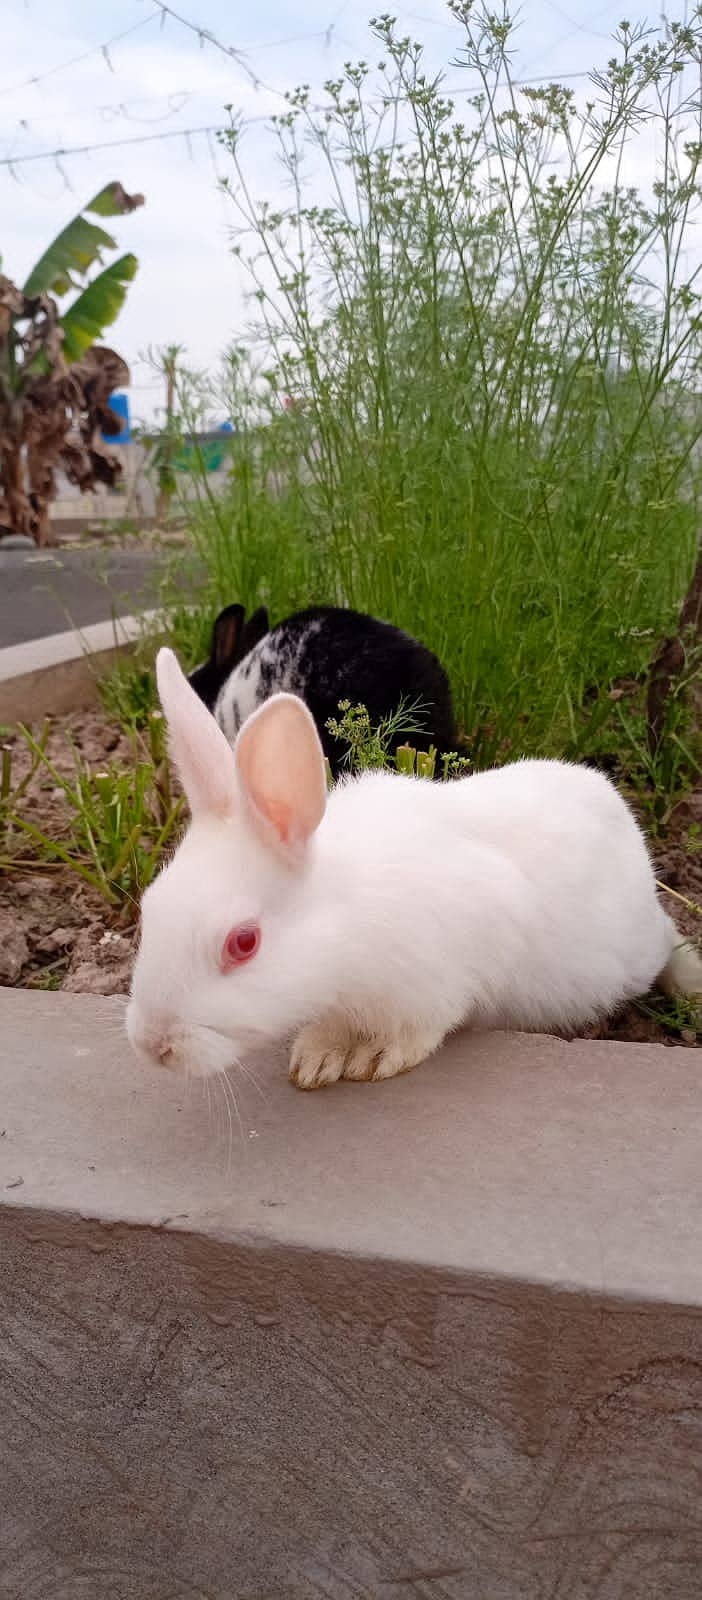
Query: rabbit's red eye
[(240, 945)]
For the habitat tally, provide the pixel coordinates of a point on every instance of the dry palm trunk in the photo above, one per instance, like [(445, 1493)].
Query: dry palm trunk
[(51, 414)]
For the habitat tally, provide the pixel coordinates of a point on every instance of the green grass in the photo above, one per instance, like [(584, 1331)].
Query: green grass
[(128, 693), (12, 787), (678, 1016), (119, 820)]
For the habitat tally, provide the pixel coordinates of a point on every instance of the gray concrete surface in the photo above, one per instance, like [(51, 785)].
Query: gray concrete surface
[(440, 1337), (49, 591), (61, 672)]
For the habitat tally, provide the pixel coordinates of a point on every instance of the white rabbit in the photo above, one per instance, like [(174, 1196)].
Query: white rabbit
[(373, 921)]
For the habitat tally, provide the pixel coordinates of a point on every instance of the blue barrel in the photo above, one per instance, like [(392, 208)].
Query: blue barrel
[(119, 403)]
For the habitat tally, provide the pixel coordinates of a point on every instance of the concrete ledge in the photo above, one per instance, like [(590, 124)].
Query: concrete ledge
[(61, 671), (437, 1337)]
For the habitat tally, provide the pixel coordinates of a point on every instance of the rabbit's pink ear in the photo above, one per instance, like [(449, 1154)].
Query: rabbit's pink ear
[(281, 770), (202, 755)]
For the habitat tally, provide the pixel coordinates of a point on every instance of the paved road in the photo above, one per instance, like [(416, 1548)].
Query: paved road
[(48, 591)]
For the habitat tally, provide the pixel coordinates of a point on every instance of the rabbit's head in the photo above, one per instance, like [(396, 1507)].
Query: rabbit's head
[(232, 929), (233, 637)]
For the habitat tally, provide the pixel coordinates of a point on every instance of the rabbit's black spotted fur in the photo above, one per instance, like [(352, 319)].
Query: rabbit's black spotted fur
[(324, 654)]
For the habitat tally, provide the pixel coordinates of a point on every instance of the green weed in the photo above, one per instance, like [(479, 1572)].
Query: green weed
[(49, 977), (13, 790), (128, 694), (119, 821), (370, 747), (677, 1015)]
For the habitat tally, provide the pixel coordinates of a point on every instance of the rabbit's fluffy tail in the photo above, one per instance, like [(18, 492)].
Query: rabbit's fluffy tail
[(682, 974)]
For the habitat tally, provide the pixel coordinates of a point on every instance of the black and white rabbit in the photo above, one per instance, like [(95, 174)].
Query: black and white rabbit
[(323, 655)]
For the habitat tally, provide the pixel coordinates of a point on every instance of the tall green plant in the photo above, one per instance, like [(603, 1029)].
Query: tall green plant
[(492, 345)]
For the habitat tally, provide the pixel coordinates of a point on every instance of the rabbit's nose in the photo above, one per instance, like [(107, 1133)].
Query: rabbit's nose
[(151, 1037)]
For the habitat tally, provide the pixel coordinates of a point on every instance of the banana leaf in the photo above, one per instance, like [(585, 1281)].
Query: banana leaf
[(79, 245), (97, 307)]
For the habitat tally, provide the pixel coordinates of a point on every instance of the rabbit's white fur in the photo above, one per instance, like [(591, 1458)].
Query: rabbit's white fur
[(389, 915)]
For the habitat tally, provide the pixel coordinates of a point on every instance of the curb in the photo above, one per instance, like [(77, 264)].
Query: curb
[(61, 671), (447, 1327)]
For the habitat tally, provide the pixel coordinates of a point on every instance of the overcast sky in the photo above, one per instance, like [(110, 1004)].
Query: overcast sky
[(189, 289)]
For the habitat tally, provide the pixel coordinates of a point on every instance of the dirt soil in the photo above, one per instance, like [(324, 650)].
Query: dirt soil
[(59, 933)]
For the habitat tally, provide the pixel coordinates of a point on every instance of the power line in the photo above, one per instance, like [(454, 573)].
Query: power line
[(95, 49), (113, 144), (580, 27), (520, 83), (176, 100), (63, 151), (204, 36), (293, 38), (162, 11), (577, 27), (176, 103)]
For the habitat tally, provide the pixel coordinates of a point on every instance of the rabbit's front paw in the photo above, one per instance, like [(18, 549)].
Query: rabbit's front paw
[(370, 1060), (323, 1053), (318, 1056)]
